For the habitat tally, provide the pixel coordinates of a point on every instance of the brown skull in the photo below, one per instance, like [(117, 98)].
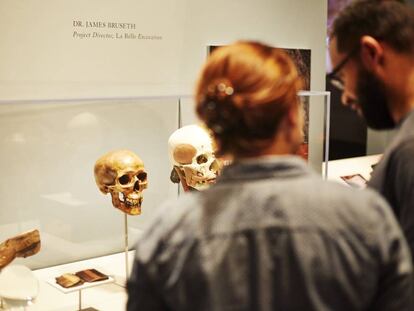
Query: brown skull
[(121, 173)]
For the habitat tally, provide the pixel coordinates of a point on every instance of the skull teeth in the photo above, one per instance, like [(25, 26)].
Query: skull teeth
[(130, 202), (206, 181), (133, 202)]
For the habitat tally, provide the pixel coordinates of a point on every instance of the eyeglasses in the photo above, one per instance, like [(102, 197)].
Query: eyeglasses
[(333, 78)]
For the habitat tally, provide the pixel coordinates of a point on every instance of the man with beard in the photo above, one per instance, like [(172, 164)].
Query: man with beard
[(372, 51)]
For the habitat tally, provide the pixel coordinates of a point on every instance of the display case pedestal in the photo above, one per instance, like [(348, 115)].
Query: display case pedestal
[(80, 304), (126, 247), (121, 280)]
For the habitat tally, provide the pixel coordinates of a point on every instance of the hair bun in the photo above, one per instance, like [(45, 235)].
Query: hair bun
[(217, 107)]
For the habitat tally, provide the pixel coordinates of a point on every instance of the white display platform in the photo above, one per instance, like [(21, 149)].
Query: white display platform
[(107, 297), (352, 166), (52, 282)]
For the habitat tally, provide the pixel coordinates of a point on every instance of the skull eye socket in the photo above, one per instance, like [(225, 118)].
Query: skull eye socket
[(124, 179), (142, 176), (201, 159)]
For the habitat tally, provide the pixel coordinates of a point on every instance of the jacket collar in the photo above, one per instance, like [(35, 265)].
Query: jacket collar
[(265, 167)]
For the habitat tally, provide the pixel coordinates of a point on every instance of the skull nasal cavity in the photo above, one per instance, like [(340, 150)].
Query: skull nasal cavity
[(136, 186), (214, 166), (184, 153)]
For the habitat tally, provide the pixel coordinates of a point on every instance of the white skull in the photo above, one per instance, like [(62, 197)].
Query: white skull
[(121, 173), (191, 153)]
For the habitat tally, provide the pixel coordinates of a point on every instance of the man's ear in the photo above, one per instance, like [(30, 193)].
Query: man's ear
[(372, 54)]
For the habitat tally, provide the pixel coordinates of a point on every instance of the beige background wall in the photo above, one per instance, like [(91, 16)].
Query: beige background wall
[(49, 145), (41, 58)]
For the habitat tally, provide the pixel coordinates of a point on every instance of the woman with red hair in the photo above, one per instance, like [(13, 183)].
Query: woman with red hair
[(270, 234)]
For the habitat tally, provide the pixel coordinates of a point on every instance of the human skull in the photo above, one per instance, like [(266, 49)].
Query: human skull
[(121, 173), (191, 153)]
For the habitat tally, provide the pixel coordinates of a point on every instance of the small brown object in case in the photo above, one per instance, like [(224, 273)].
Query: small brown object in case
[(91, 275), (69, 280), (23, 245)]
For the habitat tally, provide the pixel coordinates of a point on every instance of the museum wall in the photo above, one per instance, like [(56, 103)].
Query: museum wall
[(78, 79)]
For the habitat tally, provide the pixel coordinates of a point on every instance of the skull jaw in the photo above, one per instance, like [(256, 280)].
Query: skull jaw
[(190, 182), (126, 206), (200, 186), (198, 182)]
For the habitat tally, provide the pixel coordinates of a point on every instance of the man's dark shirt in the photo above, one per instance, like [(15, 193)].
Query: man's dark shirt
[(393, 177), (271, 235)]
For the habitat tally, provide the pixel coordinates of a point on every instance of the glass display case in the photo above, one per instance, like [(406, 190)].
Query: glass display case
[(48, 152)]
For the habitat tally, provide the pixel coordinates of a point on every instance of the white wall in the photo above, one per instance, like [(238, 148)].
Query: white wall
[(40, 59)]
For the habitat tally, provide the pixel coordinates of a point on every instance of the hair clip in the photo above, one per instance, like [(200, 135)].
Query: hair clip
[(220, 89), (228, 90)]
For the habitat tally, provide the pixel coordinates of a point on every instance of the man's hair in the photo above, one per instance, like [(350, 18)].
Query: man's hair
[(390, 21), (244, 92)]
